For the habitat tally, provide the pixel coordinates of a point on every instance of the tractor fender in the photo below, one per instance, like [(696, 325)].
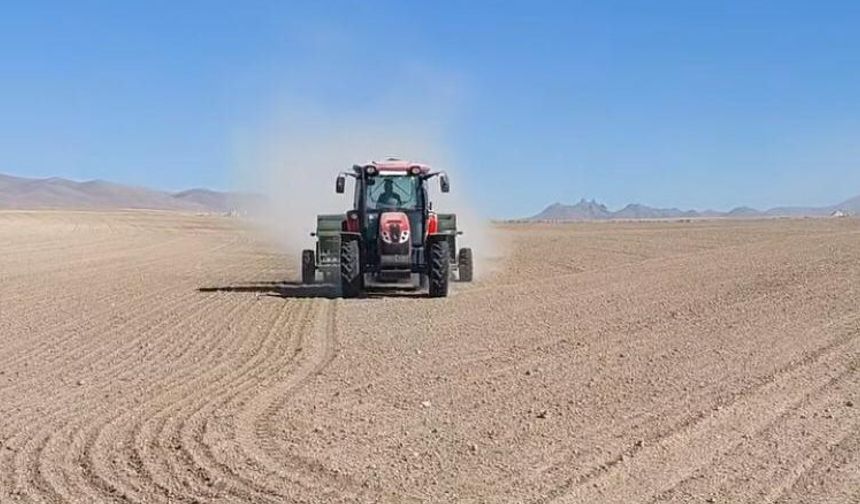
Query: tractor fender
[(349, 235), (439, 236), (448, 236)]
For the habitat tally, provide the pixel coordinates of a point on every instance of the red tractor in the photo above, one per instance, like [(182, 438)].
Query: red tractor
[(392, 236)]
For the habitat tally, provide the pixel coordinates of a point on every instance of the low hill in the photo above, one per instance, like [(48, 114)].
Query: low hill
[(592, 210), (584, 210), (220, 201), (851, 206), (639, 211), (55, 192)]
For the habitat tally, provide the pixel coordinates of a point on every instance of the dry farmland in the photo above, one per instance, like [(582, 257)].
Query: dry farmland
[(166, 357)]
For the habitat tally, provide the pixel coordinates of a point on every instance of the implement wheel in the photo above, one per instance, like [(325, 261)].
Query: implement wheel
[(465, 265), (309, 270)]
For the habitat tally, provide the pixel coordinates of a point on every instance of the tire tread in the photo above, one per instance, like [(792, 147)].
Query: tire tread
[(439, 268)]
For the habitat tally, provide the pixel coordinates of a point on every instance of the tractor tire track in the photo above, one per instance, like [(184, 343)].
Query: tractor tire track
[(666, 449), (158, 357)]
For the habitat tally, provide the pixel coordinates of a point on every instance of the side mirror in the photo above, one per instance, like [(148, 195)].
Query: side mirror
[(340, 184), (444, 184)]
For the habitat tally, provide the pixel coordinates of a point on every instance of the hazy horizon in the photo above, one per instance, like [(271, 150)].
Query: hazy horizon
[(305, 204)]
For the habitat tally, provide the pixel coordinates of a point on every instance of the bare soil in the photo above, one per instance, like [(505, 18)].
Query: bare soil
[(162, 357)]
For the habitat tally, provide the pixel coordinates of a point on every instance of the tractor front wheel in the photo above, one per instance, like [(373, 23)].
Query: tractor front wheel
[(465, 265), (350, 269), (439, 266), (309, 269)]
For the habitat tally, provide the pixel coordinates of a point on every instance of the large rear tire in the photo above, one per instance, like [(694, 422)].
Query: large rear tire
[(439, 268), (465, 265), (351, 279), (309, 269)]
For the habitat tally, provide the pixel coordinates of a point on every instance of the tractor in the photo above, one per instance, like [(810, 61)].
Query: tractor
[(391, 236)]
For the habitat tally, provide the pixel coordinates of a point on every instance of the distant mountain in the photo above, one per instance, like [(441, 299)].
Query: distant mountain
[(27, 193), (800, 211), (744, 211), (204, 197), (220, 201), (592, 210), (637, 211), (851, 206), (848, 207), (584, 210)]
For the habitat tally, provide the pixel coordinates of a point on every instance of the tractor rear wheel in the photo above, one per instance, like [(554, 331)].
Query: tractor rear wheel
[(350, 269), (465, 265), (439, 267), (309, 269)]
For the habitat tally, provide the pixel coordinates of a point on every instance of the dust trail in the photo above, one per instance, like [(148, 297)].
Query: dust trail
[(294, 163), (478, 233)]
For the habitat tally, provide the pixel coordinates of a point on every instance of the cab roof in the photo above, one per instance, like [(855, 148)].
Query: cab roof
[(395, 165)]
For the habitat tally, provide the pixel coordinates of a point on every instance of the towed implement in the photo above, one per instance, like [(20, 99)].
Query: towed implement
[(391, 236)]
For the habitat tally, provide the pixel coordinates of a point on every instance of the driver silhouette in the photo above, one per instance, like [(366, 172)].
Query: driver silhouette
[(389, 196)]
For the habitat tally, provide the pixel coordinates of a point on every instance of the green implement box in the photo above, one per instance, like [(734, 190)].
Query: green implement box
[(447, 222), (328, 242)]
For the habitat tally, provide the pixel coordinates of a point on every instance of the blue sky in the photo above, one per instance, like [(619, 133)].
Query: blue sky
[(690, 103)]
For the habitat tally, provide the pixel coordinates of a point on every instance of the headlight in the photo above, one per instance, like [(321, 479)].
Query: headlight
[(402, 238)]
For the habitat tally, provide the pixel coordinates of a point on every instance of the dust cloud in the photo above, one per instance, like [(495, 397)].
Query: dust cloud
[(294, 163)]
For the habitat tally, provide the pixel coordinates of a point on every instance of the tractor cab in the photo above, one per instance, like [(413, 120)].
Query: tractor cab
[(391, 212), (391, 235)]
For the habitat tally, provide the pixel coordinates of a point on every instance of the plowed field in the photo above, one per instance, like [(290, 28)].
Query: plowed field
[(163, 357)]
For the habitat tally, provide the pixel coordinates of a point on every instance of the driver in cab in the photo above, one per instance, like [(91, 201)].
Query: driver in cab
[(389, 197)]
